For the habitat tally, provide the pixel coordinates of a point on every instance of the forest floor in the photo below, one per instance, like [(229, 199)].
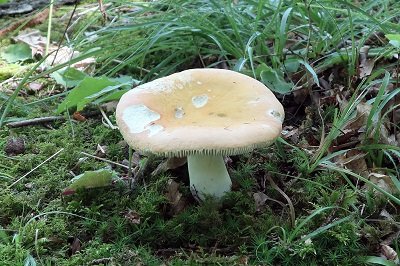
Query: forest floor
[(327, 192)]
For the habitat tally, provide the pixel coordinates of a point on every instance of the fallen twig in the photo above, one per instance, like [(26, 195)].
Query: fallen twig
[(36, 121), (48, 119), (104, 160), (26, 23)]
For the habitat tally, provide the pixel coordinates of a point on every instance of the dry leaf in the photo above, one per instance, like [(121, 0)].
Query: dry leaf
[(35, 86), (176, 200), (384, 213), (136, 156), (353, 129), (260, 199), (110, 107), (34, 39), (385, 136), (366, 65), (328, 100), (101, 151), (366, 68), (383, 181), (291, 133), (57, 55), (168, 164), (389, 253), (300, 95), (133, 217), (363, 110), (85, 64), (354, 160), (60, 56), (75, 245), (102, 261), (243, 260), (78, 117), (64, 54)]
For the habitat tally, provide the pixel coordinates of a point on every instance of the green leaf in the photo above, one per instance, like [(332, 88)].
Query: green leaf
[(17, 52), (68, 77), (91, 179), (311, 70), (78, 96), (292, 65), (107, 90), (240, 64), (282, 29), (29, 260), (379, 261), (113, 96), (394, 39), (274, 80), (126, 79)]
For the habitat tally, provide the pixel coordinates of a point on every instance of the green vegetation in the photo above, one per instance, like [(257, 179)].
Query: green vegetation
[(327, 192)]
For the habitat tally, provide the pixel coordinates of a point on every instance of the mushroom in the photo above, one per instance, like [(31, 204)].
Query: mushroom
[(203, 114)]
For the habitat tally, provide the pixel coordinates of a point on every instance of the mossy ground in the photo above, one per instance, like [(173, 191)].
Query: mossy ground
[(40, 221)]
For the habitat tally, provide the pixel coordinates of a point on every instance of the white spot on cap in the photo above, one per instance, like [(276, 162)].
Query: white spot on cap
[(139, 117), (200, 101), (179, 113), (154, 129), (199, 82), (275, 114), (254, 101)]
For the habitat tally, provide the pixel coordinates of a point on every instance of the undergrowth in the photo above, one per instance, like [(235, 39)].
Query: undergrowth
[(299, 202), (41, 222)]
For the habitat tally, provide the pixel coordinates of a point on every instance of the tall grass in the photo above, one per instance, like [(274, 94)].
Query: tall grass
[(161, 37)]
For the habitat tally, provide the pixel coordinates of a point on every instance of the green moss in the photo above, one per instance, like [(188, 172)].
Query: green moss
[(8, 70)]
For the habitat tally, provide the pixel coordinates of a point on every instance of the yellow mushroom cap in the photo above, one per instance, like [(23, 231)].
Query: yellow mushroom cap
[(200, 111)]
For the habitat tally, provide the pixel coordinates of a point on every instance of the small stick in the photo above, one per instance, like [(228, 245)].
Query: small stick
[(45, 161), (36, 121), (103, 11), (26, 23), (46, 119), (104, 160)]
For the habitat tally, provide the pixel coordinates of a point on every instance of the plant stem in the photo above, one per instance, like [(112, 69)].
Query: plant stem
[(49, 26)]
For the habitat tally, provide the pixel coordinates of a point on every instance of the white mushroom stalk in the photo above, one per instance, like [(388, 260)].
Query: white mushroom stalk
[(208, 176), (203, 114)]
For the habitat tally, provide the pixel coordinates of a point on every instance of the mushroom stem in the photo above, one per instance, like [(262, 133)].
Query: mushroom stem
[(208, 176)]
